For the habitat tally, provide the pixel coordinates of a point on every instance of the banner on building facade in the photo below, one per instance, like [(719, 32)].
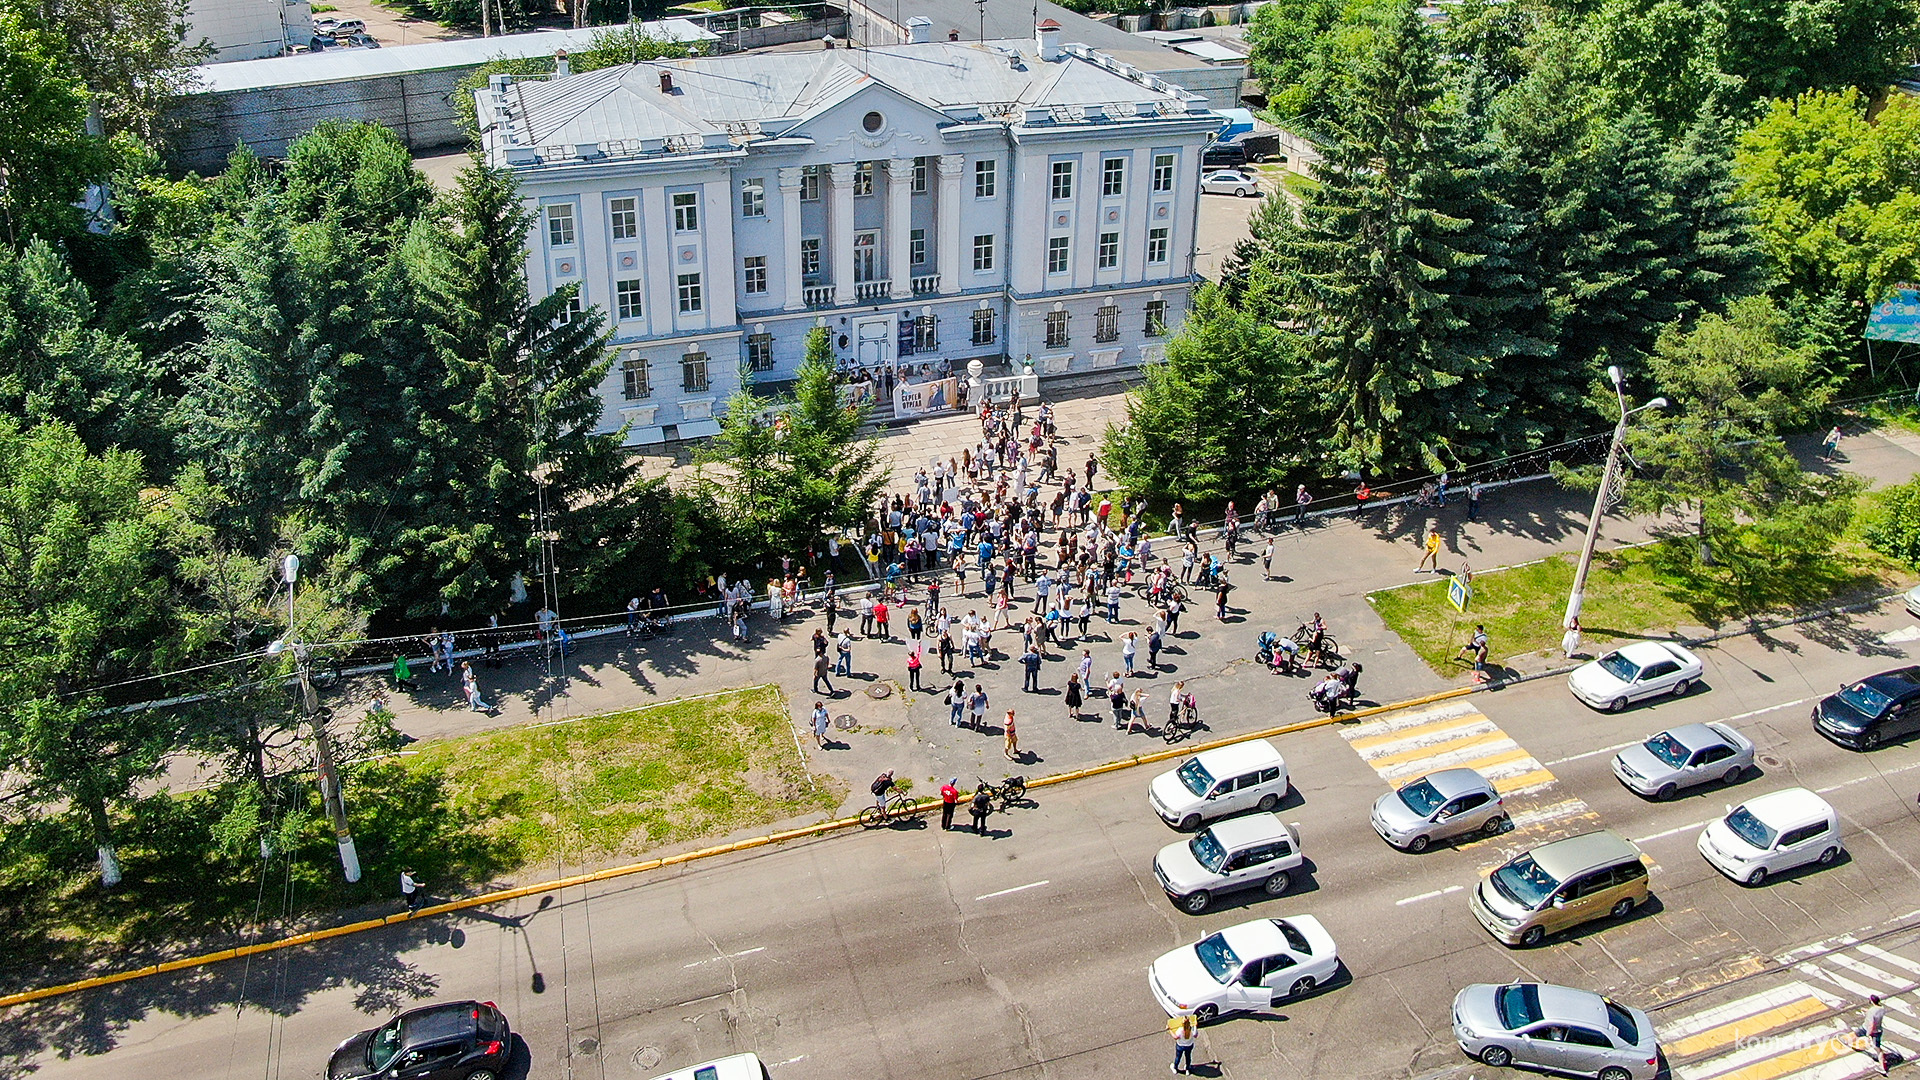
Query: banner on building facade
[(919, 399), (854, 395)]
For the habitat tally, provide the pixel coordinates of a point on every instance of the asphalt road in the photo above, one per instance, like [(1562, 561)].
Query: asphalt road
[(915, 953)]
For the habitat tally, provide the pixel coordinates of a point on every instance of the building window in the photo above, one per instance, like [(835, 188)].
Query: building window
[(983, 326), (686, 211), (1113, 177), (917, 247), (689, 287), (983, 179), (1063, 180), (919, 176), (693, 371), (863, 178), (560, 224), (1057, 254), (1156, 245), (1156, 318), (1163, 172), (756, 277), (634, 384), (759, 352), (983, 252), (626, 294), (810, 257), (1056, 330), (926, 335), (576, 310), (753, 197), (863, 261), (1106, 322), (1109, 250), (624, 215), (810, 183)]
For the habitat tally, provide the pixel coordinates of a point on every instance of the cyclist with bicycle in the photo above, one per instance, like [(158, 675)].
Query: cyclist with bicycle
[(882, 784)]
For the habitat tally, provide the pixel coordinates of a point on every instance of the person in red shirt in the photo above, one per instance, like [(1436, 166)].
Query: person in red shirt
[(949, 797), (880, 620)]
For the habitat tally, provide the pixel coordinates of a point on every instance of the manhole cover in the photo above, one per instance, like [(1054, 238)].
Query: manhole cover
[(647, 1057), (589, 1045), (1771, 761), (879, 690), (846, 721)]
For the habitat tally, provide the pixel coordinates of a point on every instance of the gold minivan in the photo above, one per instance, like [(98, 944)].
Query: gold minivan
[(1559, 885)]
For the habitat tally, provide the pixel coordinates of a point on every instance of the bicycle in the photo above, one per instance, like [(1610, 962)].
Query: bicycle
[(1326, 651), (1002, 795), (1185, 724), (898, 806)]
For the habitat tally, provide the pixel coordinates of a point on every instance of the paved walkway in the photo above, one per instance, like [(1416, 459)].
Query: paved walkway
[(1328, 568)]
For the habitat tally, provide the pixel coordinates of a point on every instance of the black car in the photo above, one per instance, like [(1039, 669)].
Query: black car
[(462, 1040), (1875, 710)]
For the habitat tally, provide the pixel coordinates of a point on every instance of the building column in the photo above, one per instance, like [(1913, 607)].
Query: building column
[(790, 228), (948, 244), (899, 228), (840, 220)]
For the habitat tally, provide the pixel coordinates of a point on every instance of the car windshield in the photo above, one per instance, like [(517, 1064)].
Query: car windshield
[(1218, 958), (1623, 1024), (1207, 851), (1866, 699), (1523, 882), (1421, 798), (384, 1046), (1751, 829), (1619, 667), (1196, 777), (1668, 749), (1519, 1005)]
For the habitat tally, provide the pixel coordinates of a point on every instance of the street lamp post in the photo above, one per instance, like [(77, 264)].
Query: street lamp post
[(317, 724), (1601, 497)]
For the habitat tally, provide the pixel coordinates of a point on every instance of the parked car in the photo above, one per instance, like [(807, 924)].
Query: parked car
[(325, 24), (1257, 850), (1773, 833), (360, 41), (1634, 672), (1243, 968), (1230, 182), (1684, 757), (1913, 601), (346, 27), (1226, 155), (1439, 806), (737, 1067), (1877, 709), (1249, 775), (460, 1040), (1555, 1029), (1560, 885)]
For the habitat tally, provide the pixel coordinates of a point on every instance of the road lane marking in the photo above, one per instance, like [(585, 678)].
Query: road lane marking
[(1762, 712), (1419, 731), (1428, 895), (1670, 832), (1015, 889), (725, 956), (1760, 1061), (1869, 776), (1861, 967), (1615, 748), (1482, 740)]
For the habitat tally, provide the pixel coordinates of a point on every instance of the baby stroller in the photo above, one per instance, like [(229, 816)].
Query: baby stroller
[(1278, 653)]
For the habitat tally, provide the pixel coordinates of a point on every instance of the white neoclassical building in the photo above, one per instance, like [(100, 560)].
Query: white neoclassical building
[(930, 203)]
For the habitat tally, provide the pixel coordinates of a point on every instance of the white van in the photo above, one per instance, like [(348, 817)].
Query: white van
[(1227, 780)]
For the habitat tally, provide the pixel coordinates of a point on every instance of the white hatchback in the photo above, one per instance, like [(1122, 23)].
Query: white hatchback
[(1245, 967), (1773, 833), (1226, 780)]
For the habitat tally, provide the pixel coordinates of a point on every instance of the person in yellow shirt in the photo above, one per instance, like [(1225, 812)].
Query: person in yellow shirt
[(1432, 551)]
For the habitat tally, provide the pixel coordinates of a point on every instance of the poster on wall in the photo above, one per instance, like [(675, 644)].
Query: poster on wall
[(854, 395), (919, 399)]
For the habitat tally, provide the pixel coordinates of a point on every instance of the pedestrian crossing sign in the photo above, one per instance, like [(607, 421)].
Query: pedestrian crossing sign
[(1459, 591)]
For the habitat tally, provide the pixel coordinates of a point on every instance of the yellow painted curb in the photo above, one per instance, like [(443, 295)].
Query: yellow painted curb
[(611, 873)]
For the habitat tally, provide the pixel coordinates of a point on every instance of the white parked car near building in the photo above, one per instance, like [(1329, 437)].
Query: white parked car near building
[(1244, 968), (1230, 182)]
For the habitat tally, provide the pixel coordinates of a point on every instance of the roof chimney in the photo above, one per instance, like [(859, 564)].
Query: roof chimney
[(561, 69), (666, 82), (1047, 34), (919, 30)]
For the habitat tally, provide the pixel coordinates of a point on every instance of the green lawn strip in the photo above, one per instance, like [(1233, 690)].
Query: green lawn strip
[(620, 784), (1642, 592)]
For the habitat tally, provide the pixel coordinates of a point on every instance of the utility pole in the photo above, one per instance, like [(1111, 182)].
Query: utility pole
[(316, 719), (1603, 497)]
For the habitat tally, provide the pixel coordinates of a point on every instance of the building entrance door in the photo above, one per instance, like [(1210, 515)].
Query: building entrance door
[(875, 343)]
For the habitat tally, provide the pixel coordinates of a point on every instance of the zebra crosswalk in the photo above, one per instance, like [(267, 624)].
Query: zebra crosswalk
[(1805, 1029), (1453, 734)]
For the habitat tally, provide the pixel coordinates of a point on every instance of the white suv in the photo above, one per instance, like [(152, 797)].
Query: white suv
[(1244, 776), (1227, 856)]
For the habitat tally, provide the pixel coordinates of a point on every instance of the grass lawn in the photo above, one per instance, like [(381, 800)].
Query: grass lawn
[(622, 783), (1640, 592)]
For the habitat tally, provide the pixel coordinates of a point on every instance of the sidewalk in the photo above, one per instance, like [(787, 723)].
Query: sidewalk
[(1327, 568)]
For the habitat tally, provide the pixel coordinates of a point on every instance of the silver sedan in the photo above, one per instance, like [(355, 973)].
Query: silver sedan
[(1239, 182), (1438, 806), (1684, 757), (1555, 1029)]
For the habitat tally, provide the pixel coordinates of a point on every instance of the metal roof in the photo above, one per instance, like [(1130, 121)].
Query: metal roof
[(346, 65)]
